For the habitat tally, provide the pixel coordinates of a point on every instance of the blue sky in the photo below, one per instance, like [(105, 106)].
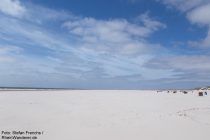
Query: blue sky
[(105, 44)]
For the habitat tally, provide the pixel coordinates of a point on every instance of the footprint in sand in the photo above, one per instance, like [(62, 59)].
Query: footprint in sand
[(199, 115)]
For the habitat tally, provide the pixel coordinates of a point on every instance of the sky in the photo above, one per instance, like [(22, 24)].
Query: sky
[(105, 44)]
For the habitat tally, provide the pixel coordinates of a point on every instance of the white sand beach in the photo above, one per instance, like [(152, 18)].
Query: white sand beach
[(106, 115)]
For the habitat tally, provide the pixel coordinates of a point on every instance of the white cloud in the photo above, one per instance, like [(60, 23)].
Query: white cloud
[(151, 24), (9, 49), (184, 5), (200, 63), (203, 42), (115, 30), (8, 53), (82, 48), (200, 15), (115, 35), (206, 41), (184, 68), (111, 46), (181, 62), (12, 7), (197, 12)]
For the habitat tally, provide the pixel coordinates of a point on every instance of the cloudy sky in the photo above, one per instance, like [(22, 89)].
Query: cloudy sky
[(105, 44)]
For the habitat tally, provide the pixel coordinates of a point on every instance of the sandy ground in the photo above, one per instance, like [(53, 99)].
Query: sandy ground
[(106, 115)]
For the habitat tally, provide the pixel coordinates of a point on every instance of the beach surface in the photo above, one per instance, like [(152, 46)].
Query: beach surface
[(105, 115)]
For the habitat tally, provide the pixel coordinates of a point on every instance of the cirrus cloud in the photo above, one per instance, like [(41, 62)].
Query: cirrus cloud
[(12, 7), (67, 50)]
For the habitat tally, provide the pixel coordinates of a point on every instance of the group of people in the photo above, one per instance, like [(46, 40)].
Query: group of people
[(199, 92)]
